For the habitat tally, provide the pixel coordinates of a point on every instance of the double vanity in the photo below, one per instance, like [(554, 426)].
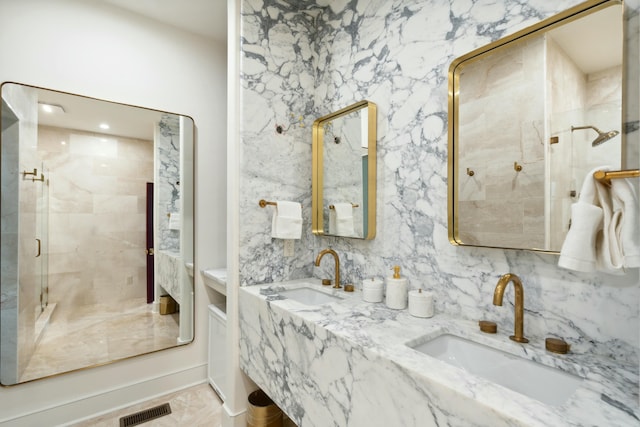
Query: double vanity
[(326, 357)]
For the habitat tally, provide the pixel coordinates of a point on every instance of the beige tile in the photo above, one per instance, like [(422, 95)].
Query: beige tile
[(194, 406)]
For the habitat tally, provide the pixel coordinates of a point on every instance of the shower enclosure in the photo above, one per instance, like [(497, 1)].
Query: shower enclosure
[(25, 213)]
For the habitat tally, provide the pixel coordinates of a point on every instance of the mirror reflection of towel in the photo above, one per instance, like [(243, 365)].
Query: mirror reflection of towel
[(287, 220), (341, 219), (174, 221)]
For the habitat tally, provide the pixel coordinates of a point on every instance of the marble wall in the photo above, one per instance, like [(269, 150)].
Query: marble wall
[(168, 183), (302, 61), (97, 215)]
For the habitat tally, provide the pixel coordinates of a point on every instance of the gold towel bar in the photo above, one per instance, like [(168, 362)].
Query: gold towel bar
[(605, 177), (263, 203), (355, 205)]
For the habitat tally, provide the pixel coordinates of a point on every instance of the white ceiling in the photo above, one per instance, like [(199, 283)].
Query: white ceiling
[(207, 18)]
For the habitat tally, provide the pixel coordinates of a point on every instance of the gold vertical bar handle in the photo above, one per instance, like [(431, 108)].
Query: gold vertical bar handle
[(39, 248)]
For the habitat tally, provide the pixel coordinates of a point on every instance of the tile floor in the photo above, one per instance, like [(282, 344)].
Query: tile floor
[(97, 334), (197, 406)]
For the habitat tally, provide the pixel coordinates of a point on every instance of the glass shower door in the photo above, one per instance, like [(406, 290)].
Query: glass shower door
[(42, 238)]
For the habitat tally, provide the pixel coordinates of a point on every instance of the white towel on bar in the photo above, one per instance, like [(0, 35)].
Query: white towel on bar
[(579, 250), (342, 217), (174, 221), (625, 197), (287, 220), (609, 258)]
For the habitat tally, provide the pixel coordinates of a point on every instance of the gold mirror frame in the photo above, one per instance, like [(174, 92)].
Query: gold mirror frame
[(569, 15), (167, 163), (317, 207)]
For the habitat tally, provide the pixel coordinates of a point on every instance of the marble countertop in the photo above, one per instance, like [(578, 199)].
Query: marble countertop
[(216, 278), (607, 396)]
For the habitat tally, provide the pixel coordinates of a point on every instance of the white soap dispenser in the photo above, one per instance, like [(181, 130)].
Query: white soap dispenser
[(396, 290)]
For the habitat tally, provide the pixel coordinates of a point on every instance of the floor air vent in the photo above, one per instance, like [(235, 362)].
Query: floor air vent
[(146, 415)]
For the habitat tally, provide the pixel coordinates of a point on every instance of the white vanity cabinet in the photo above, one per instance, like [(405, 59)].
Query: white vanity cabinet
[(217, 348)]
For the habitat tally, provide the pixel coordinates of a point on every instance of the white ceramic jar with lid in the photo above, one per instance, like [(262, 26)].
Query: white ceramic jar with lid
[(373, 290), (420, 303)]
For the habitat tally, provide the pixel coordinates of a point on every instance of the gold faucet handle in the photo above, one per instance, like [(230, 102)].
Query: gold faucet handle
[(488, 327), (556, 345)]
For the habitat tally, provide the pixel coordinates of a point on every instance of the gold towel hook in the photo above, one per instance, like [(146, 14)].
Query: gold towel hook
[(517, 167), (470, 172)]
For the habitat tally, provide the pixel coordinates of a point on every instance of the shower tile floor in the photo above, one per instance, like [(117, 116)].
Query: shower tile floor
[(96, 334)]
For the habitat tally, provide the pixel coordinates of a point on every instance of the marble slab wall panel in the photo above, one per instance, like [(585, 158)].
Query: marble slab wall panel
[(397, 54), (97, 219), (277, 90), (168, 191)]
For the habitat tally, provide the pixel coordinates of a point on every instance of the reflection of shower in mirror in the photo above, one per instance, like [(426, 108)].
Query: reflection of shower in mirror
[(602, 136)]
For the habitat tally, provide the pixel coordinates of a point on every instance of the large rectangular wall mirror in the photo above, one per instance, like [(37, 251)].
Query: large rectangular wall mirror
[(97, 232), (529, 116), (344, 173)]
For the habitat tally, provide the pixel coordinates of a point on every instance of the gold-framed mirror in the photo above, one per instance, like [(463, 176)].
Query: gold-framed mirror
[(344, 173), (528, 119), (97, 232)]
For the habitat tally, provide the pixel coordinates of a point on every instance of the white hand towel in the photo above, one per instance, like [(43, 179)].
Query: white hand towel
[(174, 221), (287, 220), (579, 248), (624, 194), (344, 219), (608, 244)]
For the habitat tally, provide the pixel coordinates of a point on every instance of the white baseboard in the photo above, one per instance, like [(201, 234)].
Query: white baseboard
[(229, 419), (105, 401)]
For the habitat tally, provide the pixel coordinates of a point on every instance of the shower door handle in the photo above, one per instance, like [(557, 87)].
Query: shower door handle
[(39, 248)]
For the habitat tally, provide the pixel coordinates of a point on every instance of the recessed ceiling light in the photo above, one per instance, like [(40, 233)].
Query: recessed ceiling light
[(104, 126), (51, 108)]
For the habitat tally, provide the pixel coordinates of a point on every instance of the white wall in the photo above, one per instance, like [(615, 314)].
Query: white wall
[(92, 49)]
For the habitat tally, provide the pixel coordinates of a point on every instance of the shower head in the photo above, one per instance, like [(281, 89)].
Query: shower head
[(602, 136)]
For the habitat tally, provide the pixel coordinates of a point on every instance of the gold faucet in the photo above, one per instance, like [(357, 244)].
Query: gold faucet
[(519, 315), (335, 256)]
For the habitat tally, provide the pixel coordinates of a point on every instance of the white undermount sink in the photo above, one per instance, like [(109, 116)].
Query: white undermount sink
[(309, 296), (547, 385)]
